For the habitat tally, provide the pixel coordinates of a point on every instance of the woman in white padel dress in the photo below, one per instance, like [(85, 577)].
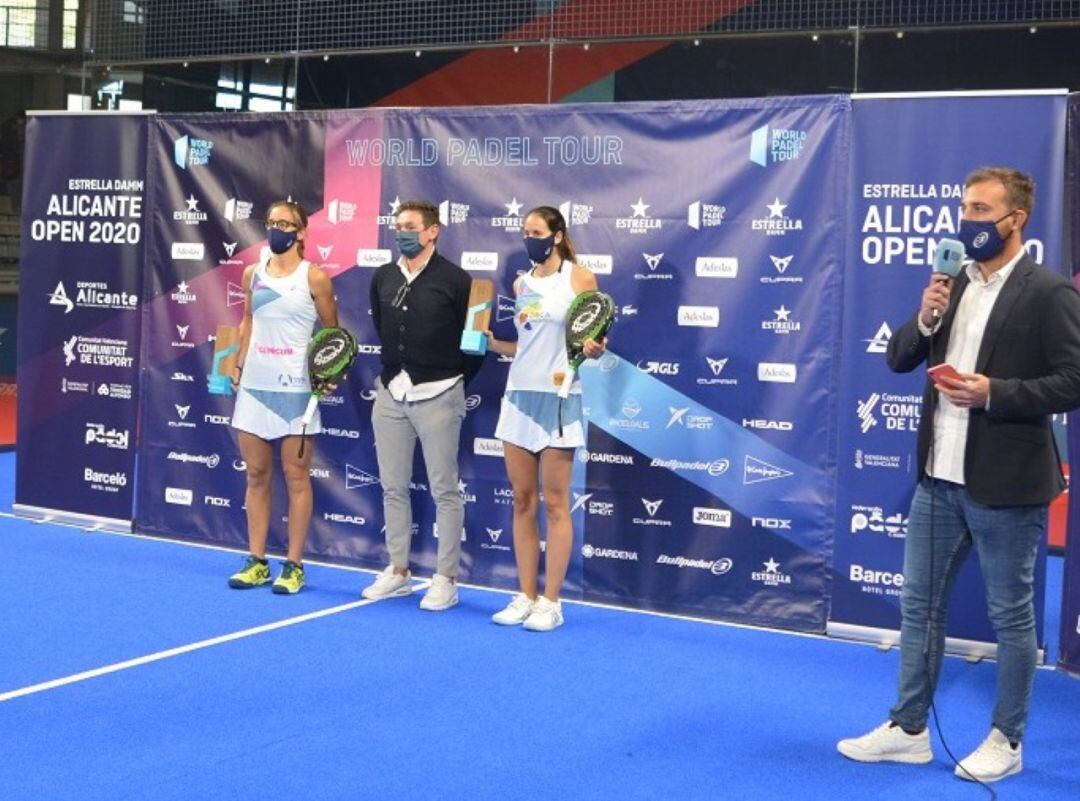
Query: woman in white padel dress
[(539, 433), (284, 296)]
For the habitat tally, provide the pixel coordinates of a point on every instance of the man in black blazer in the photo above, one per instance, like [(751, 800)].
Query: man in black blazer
[(988, 465), (419, 305)]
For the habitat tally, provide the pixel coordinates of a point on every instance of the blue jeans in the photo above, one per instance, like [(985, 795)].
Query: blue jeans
[(1006, 540)]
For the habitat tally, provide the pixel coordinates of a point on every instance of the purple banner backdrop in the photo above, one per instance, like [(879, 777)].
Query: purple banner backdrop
[(1069, 658), (81, 285), (909, 160), (730, 452), (717, 226)]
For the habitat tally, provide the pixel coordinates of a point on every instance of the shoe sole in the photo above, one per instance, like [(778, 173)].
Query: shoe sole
[(279, 590), (398, 593), (242, 585), (534, 628), (985, 779), (442, 608), (507, 622), (902, 759)]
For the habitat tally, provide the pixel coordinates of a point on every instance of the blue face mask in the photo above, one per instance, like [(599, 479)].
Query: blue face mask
[(280, 241), (981, 239), (539, 249), (408, 243)]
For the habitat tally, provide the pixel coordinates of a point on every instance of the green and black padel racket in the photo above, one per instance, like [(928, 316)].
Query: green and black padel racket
[(590, 317), (330, 354)]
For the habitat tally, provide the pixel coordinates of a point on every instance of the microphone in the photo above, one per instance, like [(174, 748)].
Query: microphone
[(947, 260)]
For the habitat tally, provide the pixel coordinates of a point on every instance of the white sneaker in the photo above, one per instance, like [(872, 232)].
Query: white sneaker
[(545, 615), (888, 743), (388, 584), (994, 759), (516, 611), (442, 594)]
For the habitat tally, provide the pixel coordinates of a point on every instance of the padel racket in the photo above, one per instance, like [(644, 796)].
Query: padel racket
[(590, 317), (330, 354)]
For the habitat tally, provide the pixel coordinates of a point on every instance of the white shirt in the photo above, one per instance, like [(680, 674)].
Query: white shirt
[(946, 459), (401, 387)]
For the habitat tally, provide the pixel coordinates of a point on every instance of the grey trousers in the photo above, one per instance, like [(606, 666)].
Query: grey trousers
[(437, 424)]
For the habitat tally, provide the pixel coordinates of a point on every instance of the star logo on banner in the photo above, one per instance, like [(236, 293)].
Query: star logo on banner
[(513, 208), (776, 208), (639, 207), (182, 287), (782, 314), (772, 566), (394, 205), (192, 203)]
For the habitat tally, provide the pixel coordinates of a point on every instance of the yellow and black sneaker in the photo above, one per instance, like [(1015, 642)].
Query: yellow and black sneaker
[(290, 580), (254, 573)]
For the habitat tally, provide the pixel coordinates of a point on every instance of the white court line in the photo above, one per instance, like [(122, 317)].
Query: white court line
[(185, 649)]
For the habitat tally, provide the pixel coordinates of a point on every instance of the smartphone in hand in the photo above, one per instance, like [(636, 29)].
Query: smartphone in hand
[(944, 370)]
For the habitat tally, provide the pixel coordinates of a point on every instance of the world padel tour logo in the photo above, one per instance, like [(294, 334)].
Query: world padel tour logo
[(772, 145), (640, 221), (777, 223), (512, 221), (576, 213), (237, 210), (192, 152), (341, 211), (452, 213), (705, 215)]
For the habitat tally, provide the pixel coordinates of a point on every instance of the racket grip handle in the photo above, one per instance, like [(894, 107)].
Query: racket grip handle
[(309, 412), (568, 379)]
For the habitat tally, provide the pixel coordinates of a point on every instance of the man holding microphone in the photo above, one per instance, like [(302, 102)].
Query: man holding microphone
[(988, 464)]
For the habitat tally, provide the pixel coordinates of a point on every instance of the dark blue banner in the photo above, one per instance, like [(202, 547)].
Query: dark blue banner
[(909, 159), (1070, 608), (81, 286)]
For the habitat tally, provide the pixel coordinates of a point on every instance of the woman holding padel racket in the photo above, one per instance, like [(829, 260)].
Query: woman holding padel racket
[(284, 296), (540, 429)]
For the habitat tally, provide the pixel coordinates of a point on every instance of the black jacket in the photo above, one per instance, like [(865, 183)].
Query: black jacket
[(1030, 351), (422, 333)]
